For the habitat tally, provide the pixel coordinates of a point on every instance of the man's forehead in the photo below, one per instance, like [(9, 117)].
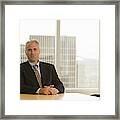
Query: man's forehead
[(33, 44)]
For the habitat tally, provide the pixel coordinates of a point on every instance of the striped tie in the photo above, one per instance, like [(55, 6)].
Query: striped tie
[(38, 75)]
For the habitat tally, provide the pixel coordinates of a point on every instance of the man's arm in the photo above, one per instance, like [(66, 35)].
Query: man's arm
[(56, 85), (56, 81)]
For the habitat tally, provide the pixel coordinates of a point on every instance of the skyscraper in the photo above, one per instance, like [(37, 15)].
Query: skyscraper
[(67, 60)]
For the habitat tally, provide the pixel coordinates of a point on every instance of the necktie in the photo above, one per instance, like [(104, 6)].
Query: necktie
[(38, 75)]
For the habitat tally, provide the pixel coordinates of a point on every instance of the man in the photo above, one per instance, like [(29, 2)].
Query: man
[(38, 77)]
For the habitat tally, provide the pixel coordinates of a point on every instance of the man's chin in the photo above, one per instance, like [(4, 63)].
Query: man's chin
[(33, 61)]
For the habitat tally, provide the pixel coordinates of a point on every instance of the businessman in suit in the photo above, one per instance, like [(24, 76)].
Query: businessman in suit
[(45, 80)]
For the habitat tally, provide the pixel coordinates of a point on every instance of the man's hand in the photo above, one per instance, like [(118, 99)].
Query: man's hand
[(48, 90)]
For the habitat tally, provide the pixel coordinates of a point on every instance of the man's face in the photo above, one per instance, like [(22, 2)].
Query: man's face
[(32, 52)]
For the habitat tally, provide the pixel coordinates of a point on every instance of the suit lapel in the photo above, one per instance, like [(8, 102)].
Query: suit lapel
[(31, 74), (30, 70)]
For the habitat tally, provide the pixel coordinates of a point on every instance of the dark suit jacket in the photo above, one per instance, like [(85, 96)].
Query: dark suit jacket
[(29, 83)]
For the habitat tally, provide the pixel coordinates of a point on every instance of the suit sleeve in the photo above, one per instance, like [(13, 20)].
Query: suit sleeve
[(56, 81)]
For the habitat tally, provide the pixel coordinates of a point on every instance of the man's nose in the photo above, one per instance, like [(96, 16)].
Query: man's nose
[(32, 51)]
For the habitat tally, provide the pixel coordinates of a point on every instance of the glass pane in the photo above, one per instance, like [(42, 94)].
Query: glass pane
[(80, 53)]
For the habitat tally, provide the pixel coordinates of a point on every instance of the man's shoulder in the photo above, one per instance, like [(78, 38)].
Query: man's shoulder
[(24, 63), (46, 64)]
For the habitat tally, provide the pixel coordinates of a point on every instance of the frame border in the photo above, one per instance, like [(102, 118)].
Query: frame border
[(59, 2)]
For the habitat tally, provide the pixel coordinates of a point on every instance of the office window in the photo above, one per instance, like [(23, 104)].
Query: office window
[(73, 47)]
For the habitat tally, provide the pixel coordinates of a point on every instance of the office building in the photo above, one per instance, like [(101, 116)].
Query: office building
[(88, 75), (23, 57)]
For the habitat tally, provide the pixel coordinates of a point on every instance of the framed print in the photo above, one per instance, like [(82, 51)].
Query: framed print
[(81, 39)]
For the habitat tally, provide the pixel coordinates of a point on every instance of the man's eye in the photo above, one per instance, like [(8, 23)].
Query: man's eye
[(35, 49), (29, 49)]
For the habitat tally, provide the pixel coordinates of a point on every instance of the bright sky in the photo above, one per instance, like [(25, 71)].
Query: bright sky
[(86, 32)]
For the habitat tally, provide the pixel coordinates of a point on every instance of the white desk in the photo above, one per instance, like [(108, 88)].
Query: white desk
[(64, 97)]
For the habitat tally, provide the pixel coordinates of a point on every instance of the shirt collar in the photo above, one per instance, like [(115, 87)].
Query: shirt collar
[(33, 64)]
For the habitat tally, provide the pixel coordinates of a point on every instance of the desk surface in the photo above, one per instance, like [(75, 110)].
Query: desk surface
[(65, 96)]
